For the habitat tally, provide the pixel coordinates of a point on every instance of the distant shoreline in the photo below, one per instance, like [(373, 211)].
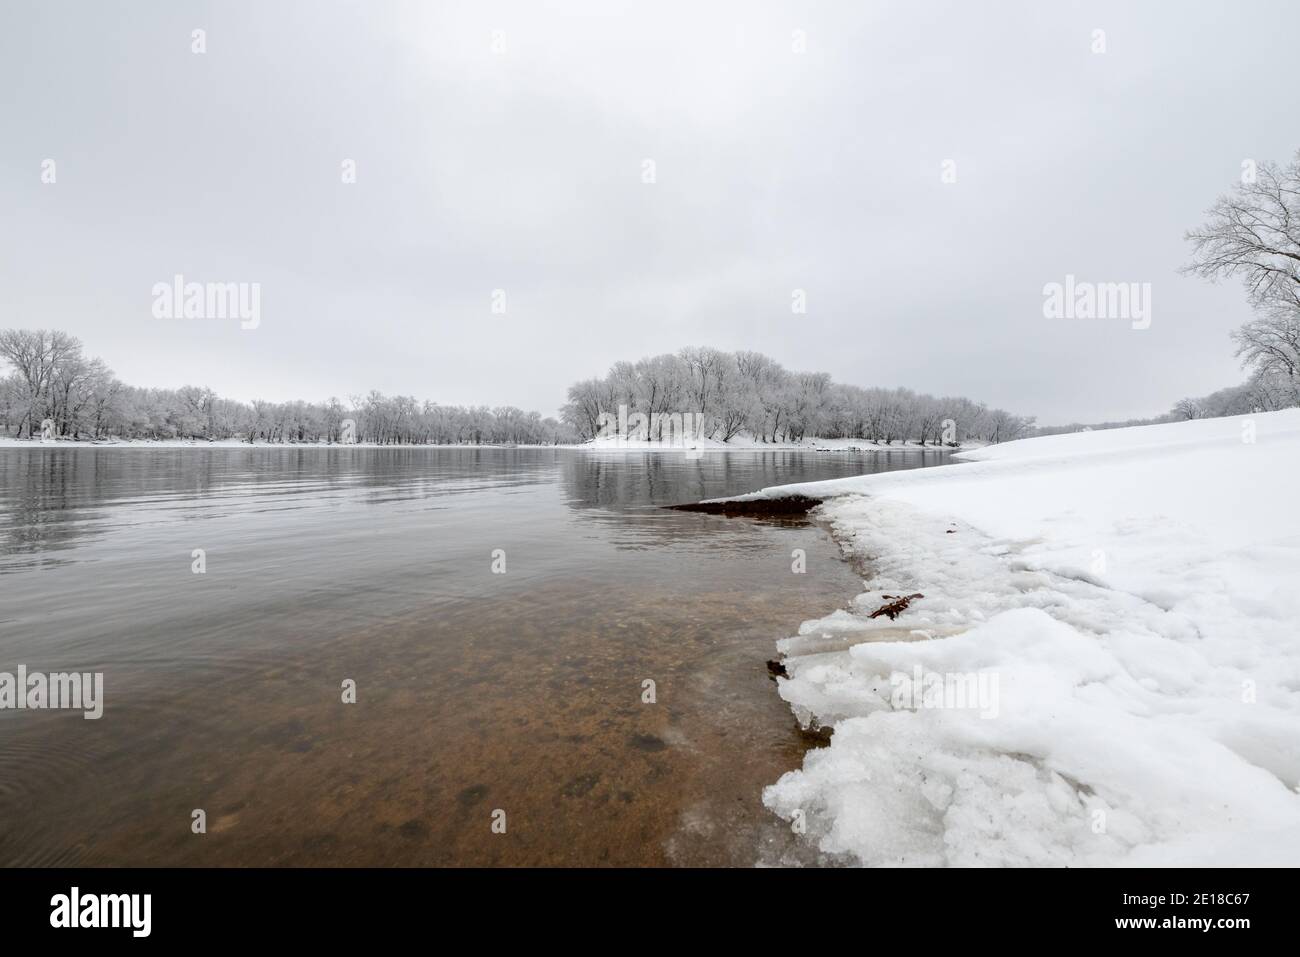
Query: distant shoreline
[(828, 445)]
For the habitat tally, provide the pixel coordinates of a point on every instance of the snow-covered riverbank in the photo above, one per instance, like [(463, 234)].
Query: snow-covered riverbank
[(1122, 609)]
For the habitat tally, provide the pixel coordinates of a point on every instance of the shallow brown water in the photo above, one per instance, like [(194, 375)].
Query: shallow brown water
[(476, 692)]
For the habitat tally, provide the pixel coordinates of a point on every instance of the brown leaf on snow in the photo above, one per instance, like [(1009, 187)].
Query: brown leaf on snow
[(892, 609)]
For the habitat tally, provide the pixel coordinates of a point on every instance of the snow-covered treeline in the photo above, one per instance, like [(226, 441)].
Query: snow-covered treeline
[(1264, 391), (750, 393), (53, 380)]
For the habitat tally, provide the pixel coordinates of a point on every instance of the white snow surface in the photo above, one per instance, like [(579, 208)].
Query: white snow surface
[(1134, 593)]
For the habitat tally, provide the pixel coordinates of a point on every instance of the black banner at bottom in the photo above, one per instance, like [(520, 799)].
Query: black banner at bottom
[(332, 907)]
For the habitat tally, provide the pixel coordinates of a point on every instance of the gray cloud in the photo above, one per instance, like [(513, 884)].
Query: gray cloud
[(522, 171)]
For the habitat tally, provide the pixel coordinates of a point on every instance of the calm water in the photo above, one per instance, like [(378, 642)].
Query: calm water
[(476, 691)]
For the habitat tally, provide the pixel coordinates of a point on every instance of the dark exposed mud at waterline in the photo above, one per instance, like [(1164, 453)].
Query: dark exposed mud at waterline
[(784, 507)]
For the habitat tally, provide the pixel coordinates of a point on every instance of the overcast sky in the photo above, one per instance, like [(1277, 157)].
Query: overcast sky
[(521, 169)]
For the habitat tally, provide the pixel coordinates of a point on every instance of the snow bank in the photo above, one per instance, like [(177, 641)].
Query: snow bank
[(1122, 609)]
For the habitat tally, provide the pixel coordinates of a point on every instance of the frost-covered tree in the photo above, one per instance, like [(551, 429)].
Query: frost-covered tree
[(1269, 344), (37, 357), (51, 378), (748, 393), (1253, 233)]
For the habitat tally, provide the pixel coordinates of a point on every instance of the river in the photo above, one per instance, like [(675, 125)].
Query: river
[(499, 611)]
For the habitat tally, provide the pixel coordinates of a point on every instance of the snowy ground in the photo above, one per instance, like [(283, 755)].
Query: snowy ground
[(1122, 612)]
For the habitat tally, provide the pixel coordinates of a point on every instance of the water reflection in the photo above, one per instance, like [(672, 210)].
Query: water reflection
[(476, 690), (625, 491), (52, 499), (618, 480)]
